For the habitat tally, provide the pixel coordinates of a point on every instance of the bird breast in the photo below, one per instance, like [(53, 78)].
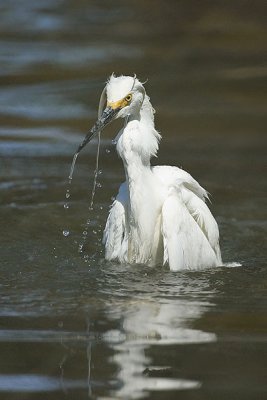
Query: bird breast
[(137, 143)]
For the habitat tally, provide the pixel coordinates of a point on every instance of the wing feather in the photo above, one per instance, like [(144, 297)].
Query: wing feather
[(205, 220), (190, 232), (185, 244), (115, 235)]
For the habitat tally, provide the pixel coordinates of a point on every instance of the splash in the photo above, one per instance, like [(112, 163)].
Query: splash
[(66, 232), (91, 204), (232, 264), (66, 205), (68, 195)]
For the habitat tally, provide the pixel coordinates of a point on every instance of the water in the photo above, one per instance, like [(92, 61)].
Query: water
[(72, 325), (95, 185)]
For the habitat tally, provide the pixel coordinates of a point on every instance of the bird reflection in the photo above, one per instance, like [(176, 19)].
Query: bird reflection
[(148, 323)]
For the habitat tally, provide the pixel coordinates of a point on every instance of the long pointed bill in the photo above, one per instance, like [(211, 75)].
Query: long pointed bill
[(108, 115)]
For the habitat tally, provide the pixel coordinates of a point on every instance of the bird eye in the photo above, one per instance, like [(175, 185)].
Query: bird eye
[(128, 98)]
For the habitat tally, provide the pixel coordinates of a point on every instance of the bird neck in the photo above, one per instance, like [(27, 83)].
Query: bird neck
[(138, 141), (145, 114)]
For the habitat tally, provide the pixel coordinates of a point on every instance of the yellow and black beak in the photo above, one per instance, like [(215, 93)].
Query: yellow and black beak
[(107, 116)]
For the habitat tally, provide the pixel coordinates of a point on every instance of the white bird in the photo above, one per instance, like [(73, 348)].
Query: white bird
[(159, 215)]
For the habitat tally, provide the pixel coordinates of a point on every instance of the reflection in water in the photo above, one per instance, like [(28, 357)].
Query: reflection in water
[(206, 73), (137, 330), (148, 323)]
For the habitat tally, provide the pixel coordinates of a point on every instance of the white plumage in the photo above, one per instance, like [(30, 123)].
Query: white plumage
[(159, 215)]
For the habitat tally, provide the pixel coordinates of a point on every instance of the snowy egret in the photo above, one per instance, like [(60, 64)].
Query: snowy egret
[(159, 215)]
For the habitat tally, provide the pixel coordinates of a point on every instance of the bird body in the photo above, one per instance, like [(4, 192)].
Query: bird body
[(159, 215)]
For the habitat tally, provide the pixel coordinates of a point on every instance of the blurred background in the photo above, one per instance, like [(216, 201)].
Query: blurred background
[(73, 326)]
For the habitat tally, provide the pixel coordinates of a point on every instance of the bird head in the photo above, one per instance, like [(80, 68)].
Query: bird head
[(121, 97)]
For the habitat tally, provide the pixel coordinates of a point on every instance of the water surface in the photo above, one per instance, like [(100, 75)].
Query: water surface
[(74, 326)]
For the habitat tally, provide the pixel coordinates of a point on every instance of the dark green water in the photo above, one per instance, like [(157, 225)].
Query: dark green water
[(79, 328)]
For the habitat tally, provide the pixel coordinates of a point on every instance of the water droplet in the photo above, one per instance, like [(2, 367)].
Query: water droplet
[(66, 205), (65, 232), (98, 185), (80, 248), (107, 151), (94, 232), (67, 194), (85, 233), (101, 207), (114, 141), (100, 172)]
